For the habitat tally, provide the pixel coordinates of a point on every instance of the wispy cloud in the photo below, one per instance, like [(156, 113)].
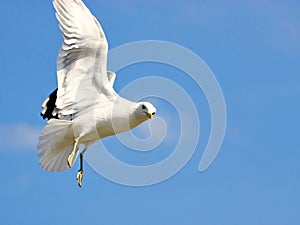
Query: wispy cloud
[(18, 136), (16, 183)]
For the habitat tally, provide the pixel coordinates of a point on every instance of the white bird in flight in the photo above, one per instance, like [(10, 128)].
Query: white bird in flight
[(84, 108)]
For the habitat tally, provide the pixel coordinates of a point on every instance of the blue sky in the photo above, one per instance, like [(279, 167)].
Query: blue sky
[(253, 49)]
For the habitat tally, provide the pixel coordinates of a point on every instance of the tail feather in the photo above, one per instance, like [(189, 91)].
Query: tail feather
[(56, 162), (55, 145)]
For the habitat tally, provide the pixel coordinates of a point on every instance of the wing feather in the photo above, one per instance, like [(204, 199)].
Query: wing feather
[(82, 56)]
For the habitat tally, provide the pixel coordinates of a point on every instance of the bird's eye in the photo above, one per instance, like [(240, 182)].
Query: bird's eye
[(143, 107)]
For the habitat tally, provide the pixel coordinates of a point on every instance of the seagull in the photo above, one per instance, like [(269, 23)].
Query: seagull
[(85, 107)]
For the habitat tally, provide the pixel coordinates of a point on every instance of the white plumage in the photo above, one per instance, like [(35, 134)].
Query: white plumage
[(87, 106)]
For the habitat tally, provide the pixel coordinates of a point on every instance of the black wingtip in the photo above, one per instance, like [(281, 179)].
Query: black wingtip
[(50, 107)]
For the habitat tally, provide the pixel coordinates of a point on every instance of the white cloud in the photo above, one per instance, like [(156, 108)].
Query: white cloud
[(18, 136)]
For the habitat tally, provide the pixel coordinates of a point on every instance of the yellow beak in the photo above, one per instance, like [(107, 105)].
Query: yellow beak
[(150, 116)]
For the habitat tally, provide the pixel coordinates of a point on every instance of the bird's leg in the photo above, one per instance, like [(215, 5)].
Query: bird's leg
[(80, 171), (73, 155)]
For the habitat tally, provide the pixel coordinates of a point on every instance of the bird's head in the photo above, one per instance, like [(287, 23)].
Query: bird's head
[(140, 112), (144, 110)]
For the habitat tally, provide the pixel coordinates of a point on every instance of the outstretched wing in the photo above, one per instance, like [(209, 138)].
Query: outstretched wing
[(81, 63)]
